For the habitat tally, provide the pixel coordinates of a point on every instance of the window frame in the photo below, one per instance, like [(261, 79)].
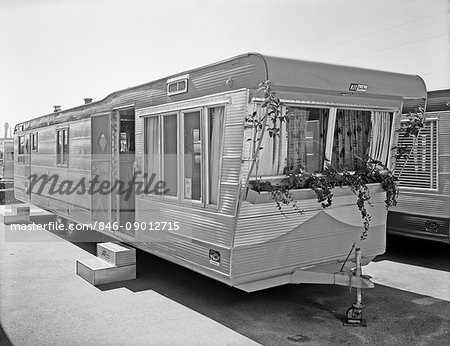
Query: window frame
[(207, 154), (22, 151), (162, 153), (61, 155), (145, 152), (204, 145), (182, 154), (34, 142), (177, 80), (332, 118)]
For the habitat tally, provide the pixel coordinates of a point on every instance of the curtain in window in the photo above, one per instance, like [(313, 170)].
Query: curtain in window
[(272, 158), (381, 133), (296, 157), (216, 120), (152, 146), (351, 138)]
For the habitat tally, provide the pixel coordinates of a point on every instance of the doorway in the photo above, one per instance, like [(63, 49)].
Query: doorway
[(126, 149)]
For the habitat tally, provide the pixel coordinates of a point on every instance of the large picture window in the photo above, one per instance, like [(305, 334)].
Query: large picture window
[(299, 145), (185, 148), (312, 137)]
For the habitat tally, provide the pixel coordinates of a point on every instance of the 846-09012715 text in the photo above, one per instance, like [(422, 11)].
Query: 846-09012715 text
[(101, 226)]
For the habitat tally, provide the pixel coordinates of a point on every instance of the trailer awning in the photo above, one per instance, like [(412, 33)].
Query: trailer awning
[(341, 81)]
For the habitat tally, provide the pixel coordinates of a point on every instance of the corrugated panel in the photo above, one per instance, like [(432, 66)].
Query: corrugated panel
[(444, 183), (413, 105), (232, 143), (228, 199), (444, 121), (216, 78), (268, 242), (231, 168), (422, 203), (438, 100), (444, 164), (417, 223), (199, 231)]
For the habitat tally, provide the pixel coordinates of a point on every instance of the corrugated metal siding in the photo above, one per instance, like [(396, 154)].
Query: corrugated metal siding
[(422, 203), (266, 240), (438, 101), (413, 105), (420, 225), (75, 206)]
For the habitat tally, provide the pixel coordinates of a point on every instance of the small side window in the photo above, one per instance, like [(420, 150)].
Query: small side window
[(34, 142), (21, 145), (62, 147)]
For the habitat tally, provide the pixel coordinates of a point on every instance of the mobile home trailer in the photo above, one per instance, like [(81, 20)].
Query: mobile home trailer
[(6, 169), (182, 143), (6, 158), (423, 209)]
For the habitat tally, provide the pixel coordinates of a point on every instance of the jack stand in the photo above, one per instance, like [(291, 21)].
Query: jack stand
[(353, 317)]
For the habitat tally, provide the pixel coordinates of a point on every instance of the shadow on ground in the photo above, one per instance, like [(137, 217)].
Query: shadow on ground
[(418, 252)]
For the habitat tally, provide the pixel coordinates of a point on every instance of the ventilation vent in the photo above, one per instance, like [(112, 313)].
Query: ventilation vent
[(177, 85)]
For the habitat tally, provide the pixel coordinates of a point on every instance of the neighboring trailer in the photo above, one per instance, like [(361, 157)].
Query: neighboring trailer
[(423, 209), (184, 139), (6, 170), (7, 158)]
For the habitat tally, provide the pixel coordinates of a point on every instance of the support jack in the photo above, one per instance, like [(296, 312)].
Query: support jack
[(353, 317)]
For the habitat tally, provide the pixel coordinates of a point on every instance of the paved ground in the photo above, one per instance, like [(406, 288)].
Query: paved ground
[(43, 302)]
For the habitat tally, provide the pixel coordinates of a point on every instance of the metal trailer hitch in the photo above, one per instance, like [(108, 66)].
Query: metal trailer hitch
[(345, 276)]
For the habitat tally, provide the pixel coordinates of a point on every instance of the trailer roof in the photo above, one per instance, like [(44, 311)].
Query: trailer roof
[(287, 76), (293, 73)]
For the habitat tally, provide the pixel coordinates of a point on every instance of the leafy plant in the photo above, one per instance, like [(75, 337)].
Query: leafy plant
[(412, 125), (370, 171)]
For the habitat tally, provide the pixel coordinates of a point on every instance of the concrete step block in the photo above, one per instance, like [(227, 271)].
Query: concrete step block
[(20, 210), (98, 272), (117, 254)]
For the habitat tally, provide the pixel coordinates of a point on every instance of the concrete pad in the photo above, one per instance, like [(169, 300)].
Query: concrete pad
[(44, 302), (424, 281)]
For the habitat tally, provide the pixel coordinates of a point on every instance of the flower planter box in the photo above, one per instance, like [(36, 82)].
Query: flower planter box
[(255, 197)]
